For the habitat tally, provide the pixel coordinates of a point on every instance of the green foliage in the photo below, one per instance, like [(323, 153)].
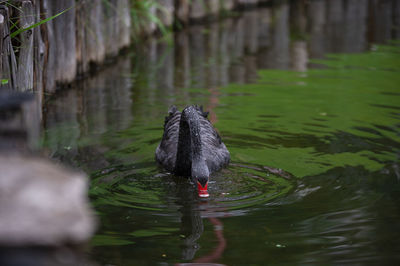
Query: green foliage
[(144, 12)]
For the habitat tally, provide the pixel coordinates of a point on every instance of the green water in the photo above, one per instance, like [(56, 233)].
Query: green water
[(333, 129), (336, 130), (308, 123)]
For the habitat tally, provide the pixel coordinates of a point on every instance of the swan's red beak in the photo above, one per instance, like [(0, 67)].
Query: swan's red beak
[(203, 193)]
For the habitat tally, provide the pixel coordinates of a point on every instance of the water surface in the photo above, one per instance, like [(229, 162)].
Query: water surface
[(287, 88)]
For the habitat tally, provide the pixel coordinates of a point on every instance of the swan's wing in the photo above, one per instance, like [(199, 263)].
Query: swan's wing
[(166, 150), (214, 150)]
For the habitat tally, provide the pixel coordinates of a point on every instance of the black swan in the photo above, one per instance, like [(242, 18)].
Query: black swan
[(190, 146)]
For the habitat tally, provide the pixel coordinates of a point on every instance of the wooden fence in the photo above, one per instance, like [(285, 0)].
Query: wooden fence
[(60, 50)]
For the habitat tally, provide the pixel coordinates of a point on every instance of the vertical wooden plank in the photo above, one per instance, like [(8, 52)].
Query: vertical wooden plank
[(60, 63), (228, 4), (8, 61), (111, 30), (64, 32), (25, 58), (82, 63), (38, 58), (151, 25), (90, 45), (2, 26), (203, 9), (49, 60), (197, 10), (213, 7), (166, 12), (117, 24), (124, 23), (94, 38), (182, 11), (2, 29)]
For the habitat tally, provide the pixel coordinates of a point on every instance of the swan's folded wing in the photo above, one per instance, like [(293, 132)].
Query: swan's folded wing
[(214, 150), (166, 150)]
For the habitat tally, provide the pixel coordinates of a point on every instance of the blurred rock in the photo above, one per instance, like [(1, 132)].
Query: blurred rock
[(42, 203)]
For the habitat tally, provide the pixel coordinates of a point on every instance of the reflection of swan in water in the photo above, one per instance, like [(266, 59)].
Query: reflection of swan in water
[(192, 227), (191, 222), (191, 147), (190, 246)]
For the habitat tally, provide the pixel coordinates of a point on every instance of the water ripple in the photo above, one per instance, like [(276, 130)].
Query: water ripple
[(233, 191)]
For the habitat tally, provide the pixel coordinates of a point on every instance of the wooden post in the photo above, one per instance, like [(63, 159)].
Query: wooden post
[(203, 9), (197, 10), (25, 58), (65, 41), (90, 43), (182, 11), (8, 61), (124, 23), (213, 7), (112, 27), (2, 29), (166, 13), (60, 40), (228, 4), (38, 58)]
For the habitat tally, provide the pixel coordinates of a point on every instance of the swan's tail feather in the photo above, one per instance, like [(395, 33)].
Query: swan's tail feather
[(204, 114), (171, 113), (172, 109)]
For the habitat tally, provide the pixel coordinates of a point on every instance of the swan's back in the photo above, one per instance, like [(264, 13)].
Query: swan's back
[(213, 149)]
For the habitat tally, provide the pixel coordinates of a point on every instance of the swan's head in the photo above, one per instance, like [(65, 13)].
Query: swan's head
[(201, 173)]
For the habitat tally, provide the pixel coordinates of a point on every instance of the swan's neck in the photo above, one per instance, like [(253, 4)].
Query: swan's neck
[(189, 158)]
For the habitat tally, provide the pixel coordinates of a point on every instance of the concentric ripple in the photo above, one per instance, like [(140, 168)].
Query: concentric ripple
[(232, 191)]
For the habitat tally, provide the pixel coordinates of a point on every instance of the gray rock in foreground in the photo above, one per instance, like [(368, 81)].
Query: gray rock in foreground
[(42, 203)]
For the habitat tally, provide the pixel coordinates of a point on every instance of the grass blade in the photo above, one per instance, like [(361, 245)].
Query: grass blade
[(19, 31)]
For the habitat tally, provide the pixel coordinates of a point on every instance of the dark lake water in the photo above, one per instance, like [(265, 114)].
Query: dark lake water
[(312, 88)]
